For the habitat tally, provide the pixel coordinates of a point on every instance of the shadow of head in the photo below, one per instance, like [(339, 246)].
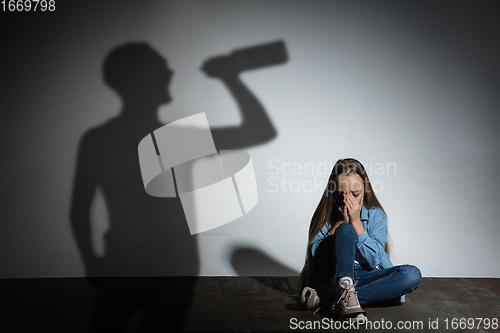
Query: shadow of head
[(254, 262), (269, 272), (138, 73)]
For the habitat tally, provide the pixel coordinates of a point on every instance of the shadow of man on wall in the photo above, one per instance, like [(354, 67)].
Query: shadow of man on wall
[(148, 237)]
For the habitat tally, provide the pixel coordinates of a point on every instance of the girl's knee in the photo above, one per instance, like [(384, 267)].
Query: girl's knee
[(411, 275), (346, 228)]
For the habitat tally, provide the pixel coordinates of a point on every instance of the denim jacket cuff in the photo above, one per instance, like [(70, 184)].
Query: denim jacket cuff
[(362, 237)]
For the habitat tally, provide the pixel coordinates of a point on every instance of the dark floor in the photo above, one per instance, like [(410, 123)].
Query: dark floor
[(234, 304)]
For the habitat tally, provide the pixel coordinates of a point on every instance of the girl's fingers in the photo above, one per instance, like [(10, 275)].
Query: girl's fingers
[(354, 202), (349, 204), (351, 200)]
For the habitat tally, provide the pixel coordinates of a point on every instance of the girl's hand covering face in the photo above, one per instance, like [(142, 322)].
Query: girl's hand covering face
[(351, 209)]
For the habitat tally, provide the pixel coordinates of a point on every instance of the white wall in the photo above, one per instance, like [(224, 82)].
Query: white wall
[(409, 84)]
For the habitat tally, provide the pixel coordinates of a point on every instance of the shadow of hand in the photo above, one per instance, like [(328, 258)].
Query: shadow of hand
[(221, 67)]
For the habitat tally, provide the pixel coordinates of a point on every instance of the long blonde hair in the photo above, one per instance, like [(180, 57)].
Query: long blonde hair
[(326, 212)]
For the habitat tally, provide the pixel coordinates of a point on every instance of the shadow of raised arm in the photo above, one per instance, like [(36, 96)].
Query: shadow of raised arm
[(256, 127)]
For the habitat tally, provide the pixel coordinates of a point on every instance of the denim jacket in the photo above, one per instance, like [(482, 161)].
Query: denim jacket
[(370, 249)]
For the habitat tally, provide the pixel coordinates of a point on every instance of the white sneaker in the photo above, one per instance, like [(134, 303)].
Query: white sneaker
[(309, 298)]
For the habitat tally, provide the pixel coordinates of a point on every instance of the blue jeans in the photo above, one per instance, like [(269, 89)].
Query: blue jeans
[(334, 258)]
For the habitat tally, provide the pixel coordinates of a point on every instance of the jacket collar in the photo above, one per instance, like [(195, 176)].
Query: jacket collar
[(364, 214)]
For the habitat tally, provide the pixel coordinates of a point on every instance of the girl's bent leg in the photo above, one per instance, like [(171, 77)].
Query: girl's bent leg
[(345, 249), (379, 285), (335, 255)]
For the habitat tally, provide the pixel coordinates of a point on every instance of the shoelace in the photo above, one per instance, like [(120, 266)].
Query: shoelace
[(350, 295)]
